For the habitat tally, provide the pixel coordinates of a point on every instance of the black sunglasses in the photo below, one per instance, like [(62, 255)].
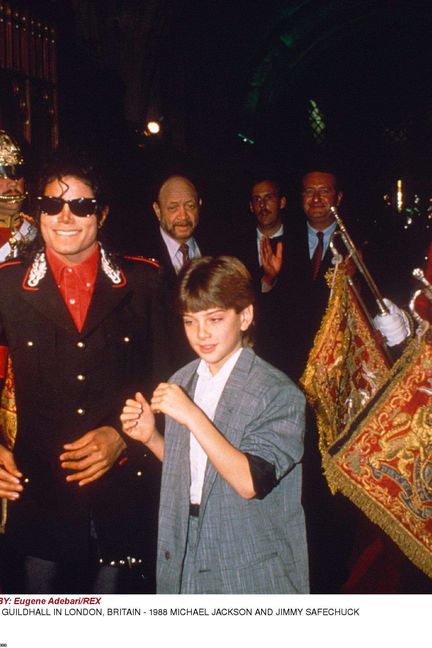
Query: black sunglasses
[(82, 207), (11, 171)]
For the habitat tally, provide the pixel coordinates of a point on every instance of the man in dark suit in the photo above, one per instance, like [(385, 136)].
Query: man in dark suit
[(278, 252), (263, 249), (320, 191), (329, 519), (173, 244), (264, 246), (177, 210), (83, 330)]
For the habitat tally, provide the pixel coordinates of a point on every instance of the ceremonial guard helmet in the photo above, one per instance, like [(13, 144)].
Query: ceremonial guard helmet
[(11, 159)]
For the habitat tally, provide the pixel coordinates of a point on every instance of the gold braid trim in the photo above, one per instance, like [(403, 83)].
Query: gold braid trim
[(8, 419), (307, 379), (380, 516)]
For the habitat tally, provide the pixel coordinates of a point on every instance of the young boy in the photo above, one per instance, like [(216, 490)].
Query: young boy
[(230, 517)]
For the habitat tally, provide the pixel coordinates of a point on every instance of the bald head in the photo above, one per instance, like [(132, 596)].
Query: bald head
[(320, 192), (177, 208)]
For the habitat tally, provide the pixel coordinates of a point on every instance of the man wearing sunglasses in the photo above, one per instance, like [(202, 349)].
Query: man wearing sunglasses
[(16, 228), (84, 329)]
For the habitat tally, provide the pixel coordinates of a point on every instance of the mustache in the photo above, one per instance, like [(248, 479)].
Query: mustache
[(182, 223), (13, 192)]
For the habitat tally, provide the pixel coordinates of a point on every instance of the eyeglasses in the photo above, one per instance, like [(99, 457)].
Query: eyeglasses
[(11, 171), (81, 207)]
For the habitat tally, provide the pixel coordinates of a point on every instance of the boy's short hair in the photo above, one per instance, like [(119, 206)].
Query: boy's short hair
[(216, 281)]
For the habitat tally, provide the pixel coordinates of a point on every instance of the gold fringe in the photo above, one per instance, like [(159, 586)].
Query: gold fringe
[(378, 514), (8, 425)]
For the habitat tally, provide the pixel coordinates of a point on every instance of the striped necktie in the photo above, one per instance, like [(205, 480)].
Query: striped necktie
[(184, 249)]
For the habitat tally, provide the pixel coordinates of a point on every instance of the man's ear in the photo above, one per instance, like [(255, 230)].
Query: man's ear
[(246, 317), (157, 210), (282, 202), (102, 217), (339, 198)]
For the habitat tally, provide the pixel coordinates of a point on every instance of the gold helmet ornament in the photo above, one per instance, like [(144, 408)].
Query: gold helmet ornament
[(11, 159)]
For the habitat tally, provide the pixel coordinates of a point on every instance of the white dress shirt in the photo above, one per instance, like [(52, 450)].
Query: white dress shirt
[(173, 248), (260, 236), (208, 391)]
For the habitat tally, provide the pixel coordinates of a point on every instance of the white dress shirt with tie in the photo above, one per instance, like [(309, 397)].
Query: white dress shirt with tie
[(313, 239), (173, 248)]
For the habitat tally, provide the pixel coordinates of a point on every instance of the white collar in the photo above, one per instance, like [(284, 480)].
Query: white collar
[(279, 232), (222, 375)]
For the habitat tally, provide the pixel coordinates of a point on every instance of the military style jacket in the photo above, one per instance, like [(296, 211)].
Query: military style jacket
[(68, 383)]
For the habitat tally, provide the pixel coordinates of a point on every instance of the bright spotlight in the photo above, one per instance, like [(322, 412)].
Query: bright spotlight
[(153, 127)]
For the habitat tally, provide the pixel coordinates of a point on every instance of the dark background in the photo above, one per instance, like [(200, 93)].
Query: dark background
[(217, 73)]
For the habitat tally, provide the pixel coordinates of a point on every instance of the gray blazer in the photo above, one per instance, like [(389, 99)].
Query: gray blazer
[(243, 546)]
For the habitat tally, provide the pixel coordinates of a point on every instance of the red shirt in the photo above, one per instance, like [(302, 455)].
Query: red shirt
[(76, 283)]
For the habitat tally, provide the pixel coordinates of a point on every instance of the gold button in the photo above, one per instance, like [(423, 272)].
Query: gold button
[(30, 343), (81, 377), (81, 411), (126, 339), (80, 345)]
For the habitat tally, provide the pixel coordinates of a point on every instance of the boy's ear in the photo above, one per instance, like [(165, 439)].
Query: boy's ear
[(246, 317)]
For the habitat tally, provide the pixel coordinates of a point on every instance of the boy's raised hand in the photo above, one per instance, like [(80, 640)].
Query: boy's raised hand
[(170, 399), (137, 419)]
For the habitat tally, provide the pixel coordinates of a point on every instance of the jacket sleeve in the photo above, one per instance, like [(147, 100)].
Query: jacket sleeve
[(275, 432)]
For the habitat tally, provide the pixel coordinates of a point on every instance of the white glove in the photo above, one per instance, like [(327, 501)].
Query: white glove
[(394, 326)]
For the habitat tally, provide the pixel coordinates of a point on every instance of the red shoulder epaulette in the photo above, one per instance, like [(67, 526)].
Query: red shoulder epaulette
[(152, 262)]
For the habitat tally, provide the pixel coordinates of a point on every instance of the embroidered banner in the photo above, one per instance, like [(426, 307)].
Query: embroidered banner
[(383, 462), (346, 364)]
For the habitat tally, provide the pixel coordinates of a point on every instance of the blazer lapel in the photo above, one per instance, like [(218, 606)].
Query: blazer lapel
[(180, 471)]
